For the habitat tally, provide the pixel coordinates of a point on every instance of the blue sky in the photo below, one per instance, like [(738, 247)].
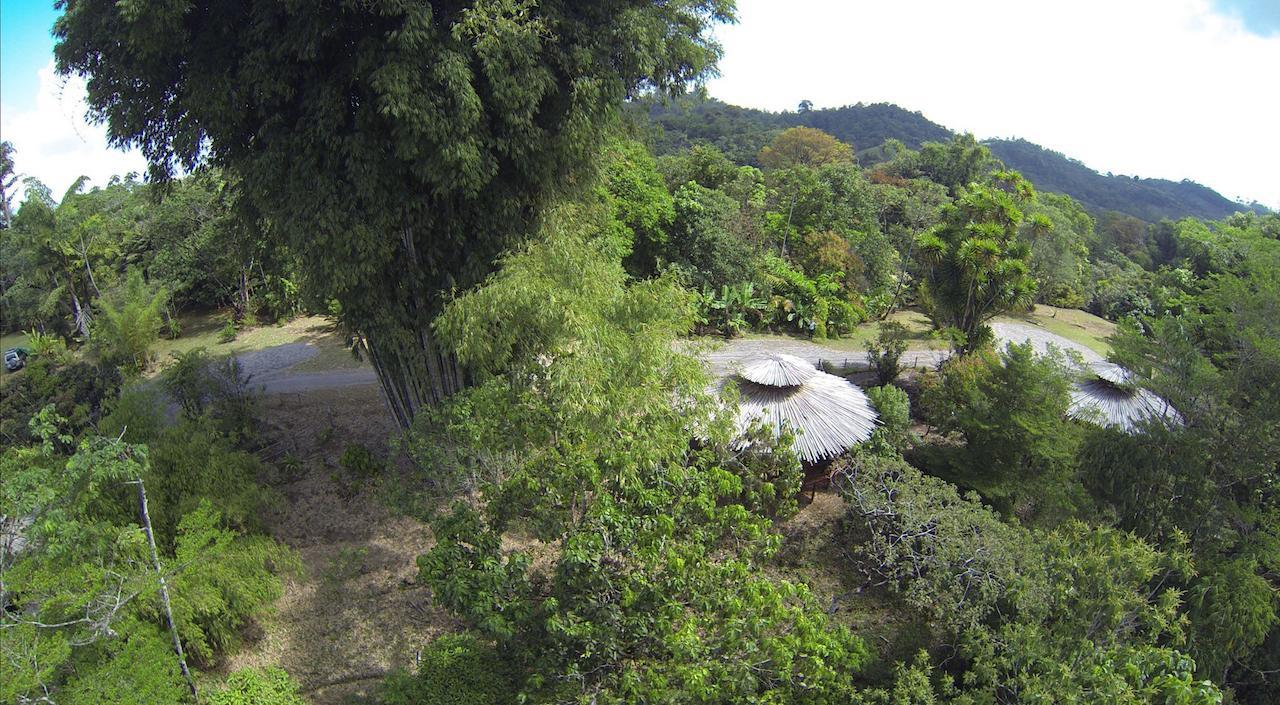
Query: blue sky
[(26, 45), (1258, 16), (1158, 88)]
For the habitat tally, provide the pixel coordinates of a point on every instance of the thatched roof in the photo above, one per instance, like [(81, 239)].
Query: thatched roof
[(778, 370), (1109, 396), (827, 414)]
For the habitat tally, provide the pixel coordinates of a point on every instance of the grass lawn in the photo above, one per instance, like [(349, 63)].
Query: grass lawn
[(13, 340), (201, 331), (1076, 326), (919, 334)]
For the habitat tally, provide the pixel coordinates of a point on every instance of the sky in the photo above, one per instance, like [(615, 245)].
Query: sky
[(1175, 89)]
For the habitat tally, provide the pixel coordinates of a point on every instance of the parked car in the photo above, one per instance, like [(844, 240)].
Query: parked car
[(15, 359)]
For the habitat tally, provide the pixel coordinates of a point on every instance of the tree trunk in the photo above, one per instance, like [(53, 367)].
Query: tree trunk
[(82, 315), (164, 588), (245, 290), (84, 253), (415, 373)]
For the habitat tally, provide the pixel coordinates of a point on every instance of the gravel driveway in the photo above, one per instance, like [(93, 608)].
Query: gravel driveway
[(270, 367), (1040, 338)]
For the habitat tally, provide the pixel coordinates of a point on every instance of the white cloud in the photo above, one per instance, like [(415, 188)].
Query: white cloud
[(1155, 88), (55, 144)]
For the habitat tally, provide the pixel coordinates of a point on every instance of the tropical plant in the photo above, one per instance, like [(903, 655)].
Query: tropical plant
[(128, 323), (885, 352), (975, 265), (735, 309)]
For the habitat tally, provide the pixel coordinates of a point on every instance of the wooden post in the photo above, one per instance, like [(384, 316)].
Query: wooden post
[(164, 588)]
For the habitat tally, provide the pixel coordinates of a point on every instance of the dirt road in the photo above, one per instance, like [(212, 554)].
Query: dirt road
[(271, 367)]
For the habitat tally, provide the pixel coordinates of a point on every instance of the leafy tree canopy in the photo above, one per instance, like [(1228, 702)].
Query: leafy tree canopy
[(398, 147)]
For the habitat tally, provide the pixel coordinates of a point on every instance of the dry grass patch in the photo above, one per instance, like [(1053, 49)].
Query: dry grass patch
[(357, 611), (1077, 326)]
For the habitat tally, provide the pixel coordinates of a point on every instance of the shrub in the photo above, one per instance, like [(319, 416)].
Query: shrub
[(50, 346), (893, 435), (77, 392), (129, 323), (456, 669), (950, 556), (885, 353), (250, 686), (227, 332), (1010, 411), (172, 328), (359, 466), (138, 670), (137, 416), (194, 461), (360, 462), (200, 385), (225, 579)]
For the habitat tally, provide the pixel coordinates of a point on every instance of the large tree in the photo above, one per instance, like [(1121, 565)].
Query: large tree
[(975, 265), (397, 146)]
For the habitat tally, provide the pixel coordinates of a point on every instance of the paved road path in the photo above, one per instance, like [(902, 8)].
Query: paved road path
[(724, 357), (270, 367), (1021, 332)]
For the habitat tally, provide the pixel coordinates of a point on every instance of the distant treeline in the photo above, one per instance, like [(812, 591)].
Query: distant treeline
[(741, 132)]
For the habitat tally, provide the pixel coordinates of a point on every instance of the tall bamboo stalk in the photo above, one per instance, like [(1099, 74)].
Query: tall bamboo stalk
[(164, 587)]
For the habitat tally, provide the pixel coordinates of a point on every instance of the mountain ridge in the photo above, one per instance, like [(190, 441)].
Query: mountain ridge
[(741, 132)]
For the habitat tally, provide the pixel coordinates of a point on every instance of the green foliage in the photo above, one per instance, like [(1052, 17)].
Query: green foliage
[(471, 117), (732, 311), (456, 669), (893, 435), (1060, 233), (85, 621), (228, 332), (194, 462), (885, 352), (950, 557), (215, 387), (78, 393), (139, 669), (128, 324), (975, 265), (1018, 605), (50, 346), (1018, 450), (817, 307), (227, 579), (639, 199), (701, 240), (1233, 609), (585, 440), (268, 686), (360, 462), (137, 416)]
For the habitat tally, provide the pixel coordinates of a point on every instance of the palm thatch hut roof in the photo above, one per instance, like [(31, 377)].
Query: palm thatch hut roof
[(1110, 396), (827, 413)]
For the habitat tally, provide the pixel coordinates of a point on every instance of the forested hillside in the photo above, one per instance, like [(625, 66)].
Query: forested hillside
[(741, 132), (1148, 199)]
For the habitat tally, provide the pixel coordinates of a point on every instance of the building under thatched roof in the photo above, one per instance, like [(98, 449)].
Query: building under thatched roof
[(1109, 396), (827, 414)]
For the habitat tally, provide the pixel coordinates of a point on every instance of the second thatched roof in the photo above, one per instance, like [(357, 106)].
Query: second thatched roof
[(827, 414), (1110, 396)]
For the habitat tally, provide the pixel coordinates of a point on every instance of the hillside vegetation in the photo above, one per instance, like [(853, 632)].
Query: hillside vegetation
[(741, 132)]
